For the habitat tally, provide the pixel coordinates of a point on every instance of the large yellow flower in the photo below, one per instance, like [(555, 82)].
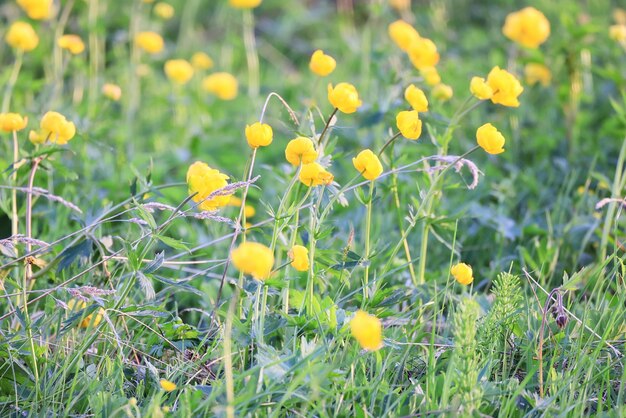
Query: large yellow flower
[(259, 135), (344, 97), (300, 151), (21, 35), (313, 174), (528, 27), (506, 87), (203, 181), (409, 124), (462, 273), (10, 122), (254, 259), (403, 34), (179, 71), (54, 128), (490, 139), (223, 85), (368, 164), (322, 64), (367, 330)]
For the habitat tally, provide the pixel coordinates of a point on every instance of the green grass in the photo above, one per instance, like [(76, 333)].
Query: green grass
[(166, 303)]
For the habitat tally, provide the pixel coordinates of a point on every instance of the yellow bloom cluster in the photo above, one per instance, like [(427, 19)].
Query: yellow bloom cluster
[(54, 128), (501, 87), (528, 27), (204, 181)]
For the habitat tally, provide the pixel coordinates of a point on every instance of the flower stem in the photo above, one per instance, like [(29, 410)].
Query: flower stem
[(368, 224), (15, 72), (389, 142), (252, 55), (14, 214), (323, 134)]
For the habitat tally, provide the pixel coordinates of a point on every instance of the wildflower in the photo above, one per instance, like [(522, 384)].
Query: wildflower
[(506, 88), (112, 91), (480, 89), (254, 259), (151, 42), (409, 124), (313, 174), (179, 71), (259, 134), (201, 61), (167, 386), (244, 4), (431, 75), (164, 10), (528, 27), (300, 151), (55, 128), (223, 85), (618, 33), (367, 330), (72, 43), (442, 92), (490, 139), (204, 181), (36, 9), (74, 304), (299, 257), (416, 98), (423, 53), (368, 164), (344, 97), (322, 64), (400, 5), (537, 73), (12, 122), (462, 273), (403, 34), (21, 35)]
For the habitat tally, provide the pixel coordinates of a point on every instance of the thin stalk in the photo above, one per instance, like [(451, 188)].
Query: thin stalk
[(312, 244), (252, 55), (368, 225), (389, 142), (325, 130), (14, 216), (15, 72)]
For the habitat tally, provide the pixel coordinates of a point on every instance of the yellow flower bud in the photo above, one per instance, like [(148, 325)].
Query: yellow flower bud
[(201, 61), (480, 89), (259, 135), (506, 87), (203, 181), (409, 124), (322, 64), (300, 151), (416, 98), (164, 10), (313, 174), (223, 85), (528, 27), (431, 75), (344, 97), (299, 257), (368, 164), (423, 53), (254, 259), (72, 43), (21, 35), (462, 273), (442, 92), (112, 91), (244, 4), (167, 386), (179, 71), (36, 9), (403, 34), (10, 122), (537, 73), (54, 128), (367, 330), (151, 42), (490, 139)]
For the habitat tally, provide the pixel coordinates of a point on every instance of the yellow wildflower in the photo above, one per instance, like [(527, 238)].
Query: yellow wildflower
[(10, 122), (179, 71), (299, 257), (368, 164), (75, 304), (164, 10), (167, 386), (112, 91), (462, 273), (442, 92), (203, 181), (201, 61), (151, 42), (480, 89), (300, 151), (322, 64), (259, 134), (36, 9), (431, 75), (423, 53), (55, 128), (409, 124), (244, 4), (490, 139), (344, 97), (254, 259), (21, 35), (403, 34), (528, 27), (506, 87), (223, 85), (367, 330), (313, 174), (72, 43), (416, 98), (537, 73)]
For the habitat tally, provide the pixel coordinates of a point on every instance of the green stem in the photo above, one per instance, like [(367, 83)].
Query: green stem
[(312, 244), (14, 215), (368, 224), (252, 55), (389, 142), (320, 140), (15, 72)]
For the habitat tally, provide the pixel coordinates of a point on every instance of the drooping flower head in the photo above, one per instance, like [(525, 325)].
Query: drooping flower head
[(506, 87), (368, 164), (10, 122), (179, 71), (22, 36), (409, 124), (54, 128), (223, 85), (299, 256), (345, 97), (367, 330), (490, 139), (204, 181), (403, 34), (528, 27), (71, 43), (259, 135), (462, 273), (300, 151), (313, 174), (254, 259), (416, 98), (151, 42)]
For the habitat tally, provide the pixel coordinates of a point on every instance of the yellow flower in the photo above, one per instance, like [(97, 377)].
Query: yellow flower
[(618, 32), (36, 9), (409, 123), (55, 128), (423, 53), (506, 87), (403, 34), (164, 10), (537, 73), (367, 330), (490, 139), (203, 181), (151, 42), (10, 122), (313, 174), (167, 386), (72, 43), (368, 164), (528, 27), (201, 61), (416, 98), (431, 75), (21, 35), (344, 97), (480, 89), (259, 134), (299, 257), (442, 92), (322, 64), (74, 304), (254, 259), (300, 150), (244, 4), (400, 5), (179, 71), (462, 273), (223, 85), (112, 91)]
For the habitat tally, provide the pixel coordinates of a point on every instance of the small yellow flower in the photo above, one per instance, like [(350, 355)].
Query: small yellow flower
[(54, 128), (244, 4), (431, 75), (480, 89), (537, 73), (112, 91), (506, 87), (403, 34), (490, 139), (254, 259), (201, 61), (203, 181), (299, 257), (167, 386), (313, 174), (416, 98), (72, 43), (223, 85), (21, 35), (368, 164), (528, 27), (344, 97), (10, 122), (423, 53), (179, 71), (442, 92), (36, 9), (300, 151), (75, 304), (367, 330), (400, 5), (462, 273), (618, 33), (164, 10), (322, 64), (151, 42), (409, 124), (259, 135)]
